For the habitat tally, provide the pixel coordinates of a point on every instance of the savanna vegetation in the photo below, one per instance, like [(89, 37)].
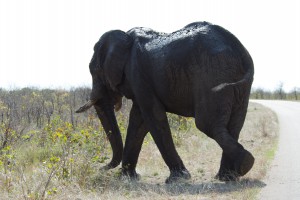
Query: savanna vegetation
[(49, 152), (279, 93)]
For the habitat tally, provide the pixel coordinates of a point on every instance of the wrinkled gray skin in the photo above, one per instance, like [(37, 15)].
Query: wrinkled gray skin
[(200, 71)]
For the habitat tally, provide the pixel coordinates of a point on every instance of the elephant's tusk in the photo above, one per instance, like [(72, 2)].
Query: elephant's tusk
[(86, 106)]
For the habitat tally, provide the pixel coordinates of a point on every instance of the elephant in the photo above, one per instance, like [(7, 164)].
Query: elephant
[(201, 71)]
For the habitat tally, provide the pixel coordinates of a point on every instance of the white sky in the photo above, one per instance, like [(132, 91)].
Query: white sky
[(49, 43)]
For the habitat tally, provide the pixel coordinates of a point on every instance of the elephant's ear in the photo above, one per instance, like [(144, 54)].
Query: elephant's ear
[(118, 52)]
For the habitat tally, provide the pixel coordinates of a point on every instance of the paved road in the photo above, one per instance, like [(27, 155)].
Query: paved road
[(283, 179)]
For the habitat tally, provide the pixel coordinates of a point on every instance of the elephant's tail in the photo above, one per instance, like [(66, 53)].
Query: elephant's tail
[(246, 81)]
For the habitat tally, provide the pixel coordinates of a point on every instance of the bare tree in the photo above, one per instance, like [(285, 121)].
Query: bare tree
[(279, 92), (295, 92)]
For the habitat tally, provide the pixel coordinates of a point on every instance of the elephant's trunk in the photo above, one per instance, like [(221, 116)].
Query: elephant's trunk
[(108, 119), (105, 110)]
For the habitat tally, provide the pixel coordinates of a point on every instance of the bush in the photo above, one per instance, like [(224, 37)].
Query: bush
[(44, 145)]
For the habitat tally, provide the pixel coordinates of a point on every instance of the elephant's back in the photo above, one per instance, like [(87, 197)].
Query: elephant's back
[(201, 35), (213, 39), (220, 51)]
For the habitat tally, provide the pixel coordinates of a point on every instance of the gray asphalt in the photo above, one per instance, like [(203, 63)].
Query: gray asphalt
[(283, 179)]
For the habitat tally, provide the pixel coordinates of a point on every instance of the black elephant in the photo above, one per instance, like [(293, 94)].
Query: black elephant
[(200, 71)]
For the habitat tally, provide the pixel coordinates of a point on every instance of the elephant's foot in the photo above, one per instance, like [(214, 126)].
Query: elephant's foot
[(227, 176), (240, 167), (177, 175), (130, 175), (244, 163)]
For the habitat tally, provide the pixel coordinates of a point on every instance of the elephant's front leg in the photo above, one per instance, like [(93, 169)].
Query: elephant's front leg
[(157, 121), (136, 132)]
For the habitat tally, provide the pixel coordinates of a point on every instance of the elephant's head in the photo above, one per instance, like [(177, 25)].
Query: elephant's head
[(111, 53)]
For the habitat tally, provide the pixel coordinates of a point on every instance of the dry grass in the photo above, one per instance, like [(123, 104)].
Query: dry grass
[(200, 154)]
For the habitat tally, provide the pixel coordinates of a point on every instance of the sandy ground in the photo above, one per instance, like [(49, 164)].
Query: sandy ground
[(283, 179)]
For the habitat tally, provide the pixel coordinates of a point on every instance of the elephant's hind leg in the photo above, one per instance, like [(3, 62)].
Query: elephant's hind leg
[(233, 167), (222, 121), (236, 161)]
